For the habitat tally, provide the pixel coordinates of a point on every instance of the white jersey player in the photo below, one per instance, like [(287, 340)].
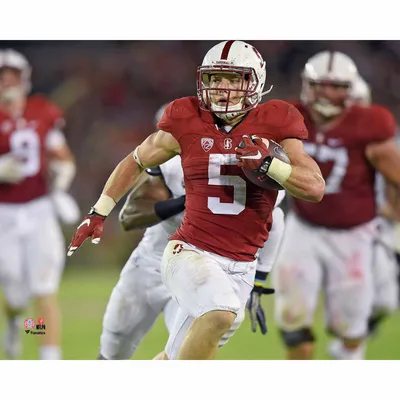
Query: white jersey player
[(140, 295)]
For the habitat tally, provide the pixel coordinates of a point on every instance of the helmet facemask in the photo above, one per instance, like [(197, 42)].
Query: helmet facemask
[(242, 93), (327, 106), (13, 87)]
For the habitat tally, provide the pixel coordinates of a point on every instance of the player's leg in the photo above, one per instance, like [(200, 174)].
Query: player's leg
[(209, 302), (12, 280), (45, 260), (161, 356), (242, 288), (349, 290), (297, 279), (384, 271), (269, 252), (135, 303), (170, 313), (385, 283)]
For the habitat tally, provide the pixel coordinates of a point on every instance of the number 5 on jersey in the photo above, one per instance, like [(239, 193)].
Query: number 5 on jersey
[(215, 178)]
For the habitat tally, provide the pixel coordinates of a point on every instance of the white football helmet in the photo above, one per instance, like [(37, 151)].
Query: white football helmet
[(12, 59), (232, 56), (328, 67), (361, 92)]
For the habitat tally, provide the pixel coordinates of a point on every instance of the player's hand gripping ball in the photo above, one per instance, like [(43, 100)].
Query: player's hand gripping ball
[(253, 153)]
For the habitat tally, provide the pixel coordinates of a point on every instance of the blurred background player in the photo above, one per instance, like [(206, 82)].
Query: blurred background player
[(36, 170), (384, 267), (265, 262), (329, 245), (140, 296), (156, 202)]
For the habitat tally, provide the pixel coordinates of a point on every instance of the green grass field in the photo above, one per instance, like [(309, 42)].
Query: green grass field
[(84, 295)]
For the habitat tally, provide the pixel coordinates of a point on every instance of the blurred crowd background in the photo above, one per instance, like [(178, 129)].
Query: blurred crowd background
[(111, 90)]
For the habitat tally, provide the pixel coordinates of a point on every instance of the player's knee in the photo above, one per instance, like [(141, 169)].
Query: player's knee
[(16, 300), (219, 320), (46, 299), (292, 315), (116, 346), (387, 305), (355, 329), (46, 292), (298, 337)]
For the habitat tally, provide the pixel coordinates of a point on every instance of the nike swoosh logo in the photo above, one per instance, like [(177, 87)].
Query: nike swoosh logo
[(85, 222), (256, 157)]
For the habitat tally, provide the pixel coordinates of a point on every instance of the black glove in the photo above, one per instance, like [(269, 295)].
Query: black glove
[(254, 307)]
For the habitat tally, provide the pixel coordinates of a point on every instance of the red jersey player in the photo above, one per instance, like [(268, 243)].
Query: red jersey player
[(329, 245), (384, 266), (209, 264), (36, 168)]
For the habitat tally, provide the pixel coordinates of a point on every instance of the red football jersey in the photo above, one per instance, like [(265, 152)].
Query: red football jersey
[(349, 198), (225, 213), (26, 138)]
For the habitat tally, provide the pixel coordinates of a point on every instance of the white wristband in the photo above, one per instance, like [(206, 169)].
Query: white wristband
[(104, 205), (279, 171)]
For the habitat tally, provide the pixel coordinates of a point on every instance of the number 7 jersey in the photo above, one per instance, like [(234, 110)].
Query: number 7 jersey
[(349, 198), (225, 213)]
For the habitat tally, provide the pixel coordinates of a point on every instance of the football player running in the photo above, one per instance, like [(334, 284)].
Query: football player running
[(209, 263), (140, 296), (36, 170), (329, 245)]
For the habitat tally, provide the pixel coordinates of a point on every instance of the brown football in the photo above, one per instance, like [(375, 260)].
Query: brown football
[(263, 180)]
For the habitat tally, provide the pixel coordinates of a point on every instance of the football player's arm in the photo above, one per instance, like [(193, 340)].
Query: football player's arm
[(149, 203), (62, 166), (11, 169), (158, 148), (303, 178), (385, 158), (391, 208)]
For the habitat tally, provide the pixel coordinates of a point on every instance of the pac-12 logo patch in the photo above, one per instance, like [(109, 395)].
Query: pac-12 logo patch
[(207, 143)]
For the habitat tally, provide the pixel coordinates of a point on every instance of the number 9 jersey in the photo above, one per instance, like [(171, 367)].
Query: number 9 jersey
[(28, 138), (225, 213), (349, 198)]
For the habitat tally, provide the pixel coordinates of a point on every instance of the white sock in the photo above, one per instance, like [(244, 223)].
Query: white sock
[(50, 353), (353, 354)]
